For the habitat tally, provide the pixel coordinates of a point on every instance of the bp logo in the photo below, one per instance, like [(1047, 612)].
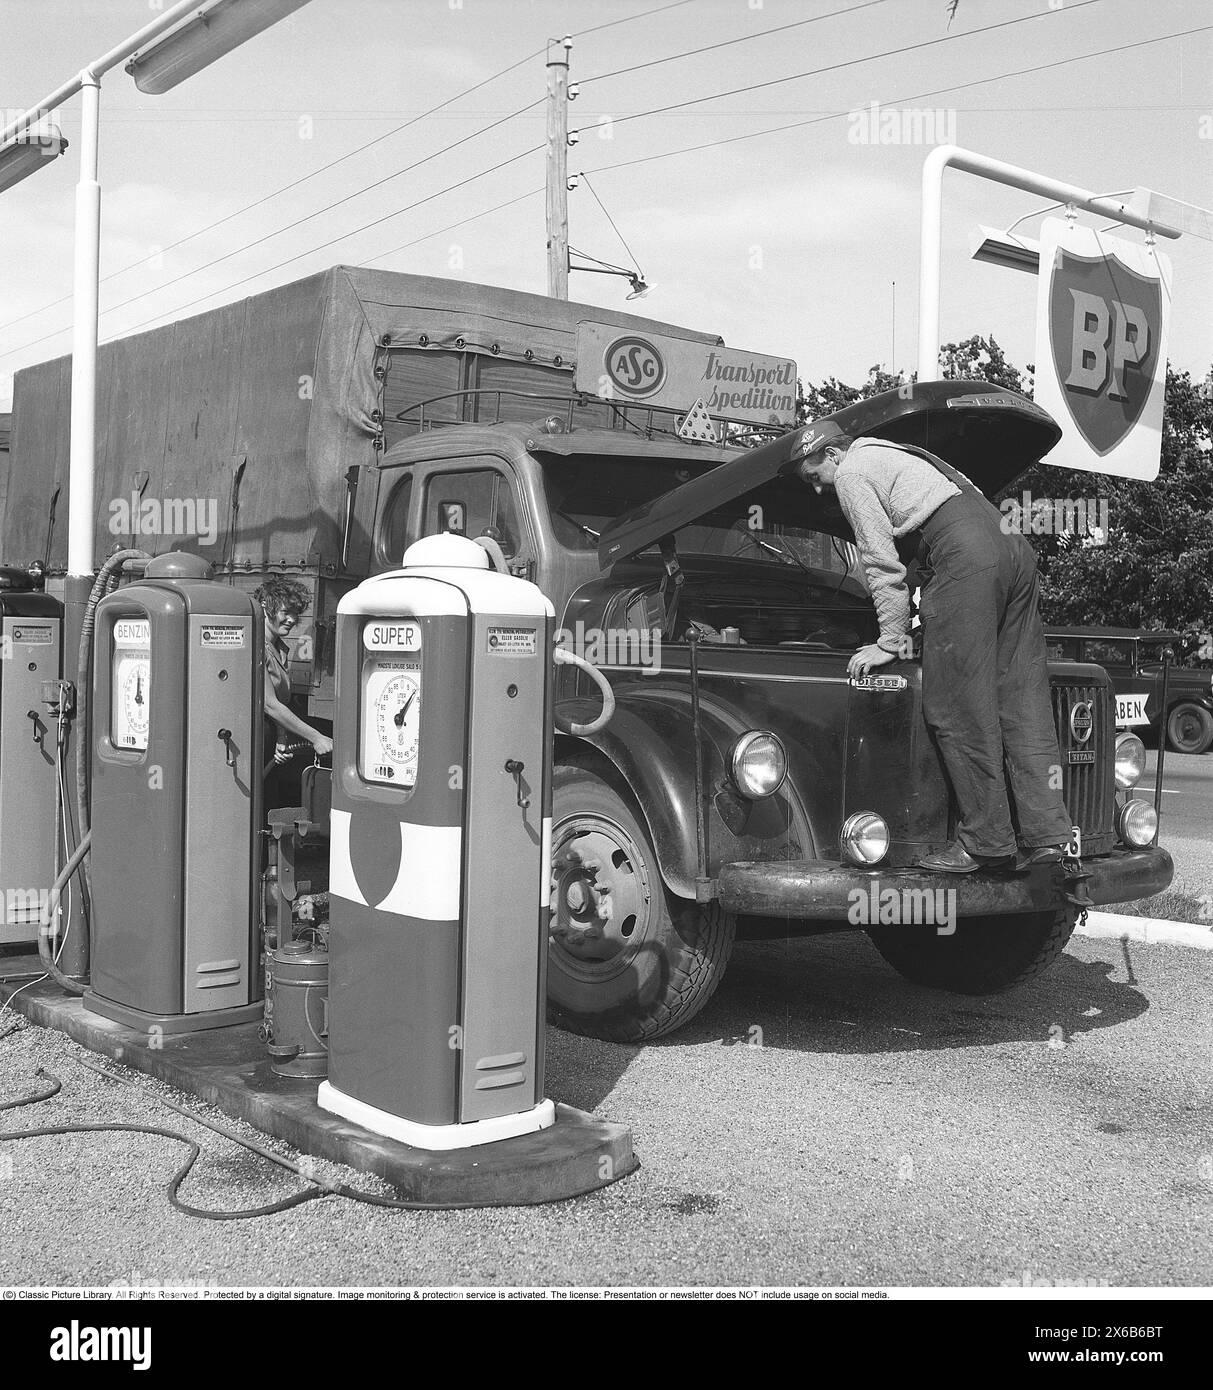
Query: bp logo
[(1082, 721), (1104, 325), (635, 366)]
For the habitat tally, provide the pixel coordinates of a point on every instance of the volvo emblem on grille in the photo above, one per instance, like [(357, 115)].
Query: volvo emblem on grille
[(1082, 721)]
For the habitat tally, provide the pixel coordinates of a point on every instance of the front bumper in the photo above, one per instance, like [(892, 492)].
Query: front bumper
[(824, 890)]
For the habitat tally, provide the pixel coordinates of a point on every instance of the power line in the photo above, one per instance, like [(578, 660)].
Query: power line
[(248, 246), (916, 96), (345, 236), (611, 220), (286, 188), (728, 43), (848, 63), (627, 19), (463, 221)]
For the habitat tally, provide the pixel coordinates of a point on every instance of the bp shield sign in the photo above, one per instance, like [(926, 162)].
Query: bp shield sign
[(1101, 349)]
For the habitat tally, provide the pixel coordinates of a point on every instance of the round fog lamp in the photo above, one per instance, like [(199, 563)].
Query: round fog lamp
[(1137, 822), (864, 838), (1130, 761), (759, 764)]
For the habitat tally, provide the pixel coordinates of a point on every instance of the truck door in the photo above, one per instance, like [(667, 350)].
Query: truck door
[(479, 501)]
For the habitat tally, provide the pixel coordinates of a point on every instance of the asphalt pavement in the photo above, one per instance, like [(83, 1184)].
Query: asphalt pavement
[(1186, 824), (823, 1122)]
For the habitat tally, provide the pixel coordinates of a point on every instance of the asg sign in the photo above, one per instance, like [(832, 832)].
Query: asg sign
[(635, 366), (1101, 349), (669, 373)]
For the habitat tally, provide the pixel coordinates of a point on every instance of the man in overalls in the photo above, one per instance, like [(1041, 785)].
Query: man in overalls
[(985, 684)]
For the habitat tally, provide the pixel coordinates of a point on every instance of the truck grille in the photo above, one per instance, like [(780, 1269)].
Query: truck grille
[(1089, 788)]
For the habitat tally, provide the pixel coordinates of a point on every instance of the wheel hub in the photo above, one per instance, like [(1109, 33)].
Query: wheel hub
[(600, 896)]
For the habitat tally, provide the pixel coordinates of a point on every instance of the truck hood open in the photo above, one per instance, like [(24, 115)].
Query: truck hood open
[(992, 435)]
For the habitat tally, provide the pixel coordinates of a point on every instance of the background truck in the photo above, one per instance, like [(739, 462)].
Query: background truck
[(745, 785), (1133, 660)]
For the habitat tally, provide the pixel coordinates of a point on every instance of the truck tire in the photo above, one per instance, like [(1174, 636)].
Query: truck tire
[(986, 955), (1189, 728), (628, 961)]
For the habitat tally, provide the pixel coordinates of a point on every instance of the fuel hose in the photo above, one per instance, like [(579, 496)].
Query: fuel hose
[(562, 657)]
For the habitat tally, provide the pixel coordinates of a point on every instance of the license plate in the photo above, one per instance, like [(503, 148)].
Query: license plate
[(1074, 849), (1081, 755)]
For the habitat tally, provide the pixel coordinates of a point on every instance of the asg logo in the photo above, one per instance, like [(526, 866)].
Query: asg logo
[(1104, 328), (635, 366)]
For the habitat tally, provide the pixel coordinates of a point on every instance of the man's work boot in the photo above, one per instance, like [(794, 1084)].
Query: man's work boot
[(1045, 854), (955, 859)]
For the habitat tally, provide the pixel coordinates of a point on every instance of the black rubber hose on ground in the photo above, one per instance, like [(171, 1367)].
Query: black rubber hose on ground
[(52, 1090), (174, 1183)]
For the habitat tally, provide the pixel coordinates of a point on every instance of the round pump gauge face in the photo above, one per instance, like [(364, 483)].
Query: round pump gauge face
[(130, 692), (391, 718)]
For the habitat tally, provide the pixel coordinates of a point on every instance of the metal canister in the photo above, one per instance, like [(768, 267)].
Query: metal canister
[(296, 1012)]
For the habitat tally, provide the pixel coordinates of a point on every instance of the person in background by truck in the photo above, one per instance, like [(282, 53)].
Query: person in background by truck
[(985, 684), (283, 602)]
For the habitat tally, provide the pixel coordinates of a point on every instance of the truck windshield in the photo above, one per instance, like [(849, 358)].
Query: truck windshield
[(769, 525)]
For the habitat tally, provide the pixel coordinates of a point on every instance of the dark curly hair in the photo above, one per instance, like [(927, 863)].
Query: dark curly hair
[(279, 593)]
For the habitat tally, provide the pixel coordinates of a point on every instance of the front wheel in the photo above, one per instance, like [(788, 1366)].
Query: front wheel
[(627, 959), (985, 955), (1189, 728)]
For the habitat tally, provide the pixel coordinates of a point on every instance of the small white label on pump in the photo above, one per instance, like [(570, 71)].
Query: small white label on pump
[(32, 635), (512, 641), (133, 632), (222, 635), (384, 635)]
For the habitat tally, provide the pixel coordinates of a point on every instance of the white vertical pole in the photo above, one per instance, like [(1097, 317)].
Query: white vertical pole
[(83, 456), (928, 264)]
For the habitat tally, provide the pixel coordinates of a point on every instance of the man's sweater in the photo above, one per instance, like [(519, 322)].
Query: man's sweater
[(884, 493)]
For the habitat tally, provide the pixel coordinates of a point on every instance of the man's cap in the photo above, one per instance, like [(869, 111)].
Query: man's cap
[(817, 436)]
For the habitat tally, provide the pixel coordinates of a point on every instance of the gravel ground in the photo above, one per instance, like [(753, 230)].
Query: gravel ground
[(881, 1135)]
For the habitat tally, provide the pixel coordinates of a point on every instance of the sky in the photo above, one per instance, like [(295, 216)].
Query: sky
[(801, 242)]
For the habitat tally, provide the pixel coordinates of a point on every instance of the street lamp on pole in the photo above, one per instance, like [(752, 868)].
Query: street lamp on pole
[(28, 153), (175, 45), (193, 35)]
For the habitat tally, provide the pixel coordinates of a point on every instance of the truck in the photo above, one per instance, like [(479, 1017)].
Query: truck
[(745, 786), (1133, 658)]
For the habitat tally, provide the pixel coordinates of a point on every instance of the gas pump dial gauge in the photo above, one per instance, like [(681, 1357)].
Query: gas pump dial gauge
[(391, 718), (130, 693)]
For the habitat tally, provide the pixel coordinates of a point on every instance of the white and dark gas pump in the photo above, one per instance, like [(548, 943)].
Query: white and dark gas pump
[(31, 645), (176, 801), (440, 852)]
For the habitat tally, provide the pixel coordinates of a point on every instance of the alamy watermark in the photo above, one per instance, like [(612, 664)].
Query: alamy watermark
[(903, 906), (1056, 516), (875, 124), (614, 646), (169, 516)]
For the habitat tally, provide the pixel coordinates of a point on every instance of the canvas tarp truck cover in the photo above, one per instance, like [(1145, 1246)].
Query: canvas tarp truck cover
[(258, 409)]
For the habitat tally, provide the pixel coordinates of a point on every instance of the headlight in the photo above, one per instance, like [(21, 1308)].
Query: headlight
[(759, 764), (1137, 823), (864, 838), (1130, 761)]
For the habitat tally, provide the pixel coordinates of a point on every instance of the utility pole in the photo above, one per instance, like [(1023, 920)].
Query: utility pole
[(558, 169)]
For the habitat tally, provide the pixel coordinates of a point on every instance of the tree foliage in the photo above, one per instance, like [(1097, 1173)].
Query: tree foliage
[(1156, 568)]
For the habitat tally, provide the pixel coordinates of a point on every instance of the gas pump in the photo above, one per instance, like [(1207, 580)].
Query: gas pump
[(440, 845), (31, 643), (176, 802)]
